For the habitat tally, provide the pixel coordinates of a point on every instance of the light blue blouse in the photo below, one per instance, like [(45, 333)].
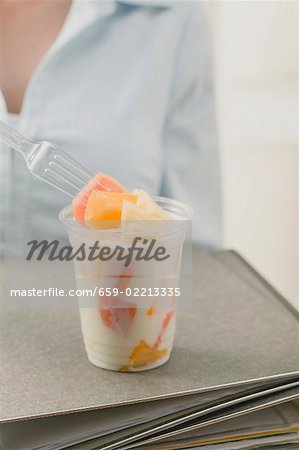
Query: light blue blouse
[(126, 89)]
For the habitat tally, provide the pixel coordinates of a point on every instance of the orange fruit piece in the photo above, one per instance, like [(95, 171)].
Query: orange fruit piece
[(100, 182), (106, 206), (150, 311), (144, 354)]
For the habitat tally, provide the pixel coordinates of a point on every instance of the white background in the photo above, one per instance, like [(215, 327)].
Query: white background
[(256, 72)]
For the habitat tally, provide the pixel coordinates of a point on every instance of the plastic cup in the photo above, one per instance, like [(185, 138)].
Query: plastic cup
[(128, 312)]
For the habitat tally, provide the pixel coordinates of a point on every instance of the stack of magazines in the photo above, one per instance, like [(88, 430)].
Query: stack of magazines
[(232, 381)]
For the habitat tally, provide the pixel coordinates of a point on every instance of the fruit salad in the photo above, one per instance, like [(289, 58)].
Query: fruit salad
[(122, 332), (105, 199)]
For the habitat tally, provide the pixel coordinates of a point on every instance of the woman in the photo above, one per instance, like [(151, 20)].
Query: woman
[(125, 87)]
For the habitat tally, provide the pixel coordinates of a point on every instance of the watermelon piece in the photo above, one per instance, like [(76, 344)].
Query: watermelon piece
[(165, 323), (100, 182), (115, 312), (117, 315)]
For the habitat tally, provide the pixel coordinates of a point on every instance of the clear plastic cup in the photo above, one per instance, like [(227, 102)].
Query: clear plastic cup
[(128, 312)]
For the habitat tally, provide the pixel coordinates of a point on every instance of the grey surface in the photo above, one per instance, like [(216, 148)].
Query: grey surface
[(233, 332), (248, 274)]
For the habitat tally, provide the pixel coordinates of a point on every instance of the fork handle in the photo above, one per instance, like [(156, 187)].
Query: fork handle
[(16, 140)]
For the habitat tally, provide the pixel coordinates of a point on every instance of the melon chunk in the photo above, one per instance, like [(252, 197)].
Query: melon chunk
[(104, 209), (142, 355)]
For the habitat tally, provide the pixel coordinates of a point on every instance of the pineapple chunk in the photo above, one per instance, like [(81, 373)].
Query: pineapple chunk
[(147, 204)]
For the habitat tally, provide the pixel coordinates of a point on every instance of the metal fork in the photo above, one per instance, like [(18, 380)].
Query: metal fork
[(49, 162)]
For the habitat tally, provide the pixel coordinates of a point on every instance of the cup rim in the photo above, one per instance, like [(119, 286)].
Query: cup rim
[(75, 226)]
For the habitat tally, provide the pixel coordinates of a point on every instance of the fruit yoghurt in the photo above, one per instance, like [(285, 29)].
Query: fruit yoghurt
[(120, 331)]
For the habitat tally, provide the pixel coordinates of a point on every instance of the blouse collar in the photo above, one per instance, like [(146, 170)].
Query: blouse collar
[(84, 12)]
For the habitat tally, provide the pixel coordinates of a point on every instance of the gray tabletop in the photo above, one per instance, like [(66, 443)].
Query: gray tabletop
[(237, 329)]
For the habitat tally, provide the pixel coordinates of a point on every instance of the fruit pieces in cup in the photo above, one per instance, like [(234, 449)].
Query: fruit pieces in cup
[(119, 334), (97, 208), (144, 335)]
